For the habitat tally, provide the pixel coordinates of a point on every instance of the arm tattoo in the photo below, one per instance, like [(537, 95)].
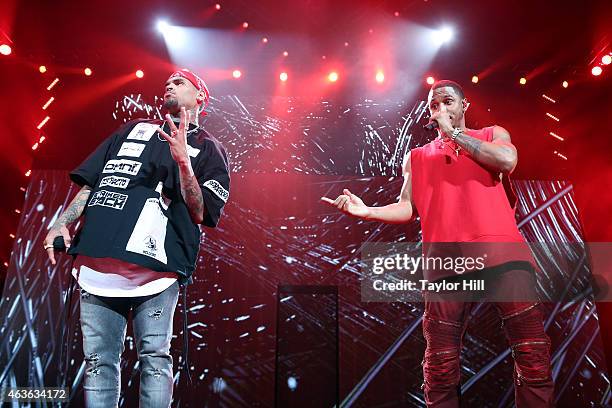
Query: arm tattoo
[(471, 144), (75, 209), (192, 194)]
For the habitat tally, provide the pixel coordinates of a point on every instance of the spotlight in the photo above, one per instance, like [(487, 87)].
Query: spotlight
[(5, 49), (162, 26), (283, 76), (139, 74), (264, 40), (87, 71), (245, 25), (218, 6), (523, 81), (42, 69), (475, 79), (333, 76), (606, 59), (236, 73), (396, 14), (285, 54), (430, 80), (565, 84), (596, 70), (380, 76), (443, 35)]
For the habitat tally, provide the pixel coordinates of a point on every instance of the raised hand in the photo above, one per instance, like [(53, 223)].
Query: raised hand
[(177, 139), (349, 203)]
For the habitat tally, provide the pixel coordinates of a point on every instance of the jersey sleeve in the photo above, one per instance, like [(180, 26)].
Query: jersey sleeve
[(212, 173), (88, 172)]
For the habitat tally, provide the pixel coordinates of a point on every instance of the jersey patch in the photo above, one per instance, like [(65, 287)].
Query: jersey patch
[(130, 167), (217, 189), (115, 181), (131, 149), (108, 199), (143, 132), (149, 235), (192, 151)]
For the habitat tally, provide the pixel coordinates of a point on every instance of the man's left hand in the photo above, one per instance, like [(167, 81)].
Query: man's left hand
[(178, 137)]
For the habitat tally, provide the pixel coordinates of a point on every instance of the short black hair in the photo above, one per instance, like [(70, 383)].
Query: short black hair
[(445, 82)]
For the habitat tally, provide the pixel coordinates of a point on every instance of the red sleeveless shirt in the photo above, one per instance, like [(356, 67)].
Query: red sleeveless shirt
[(460, 201)]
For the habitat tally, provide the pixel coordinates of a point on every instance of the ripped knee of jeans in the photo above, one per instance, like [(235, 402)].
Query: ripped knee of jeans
[(157, 313), (155, 373), (92, 361)]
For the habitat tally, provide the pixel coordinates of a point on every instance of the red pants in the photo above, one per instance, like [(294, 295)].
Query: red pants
[(444, 324)]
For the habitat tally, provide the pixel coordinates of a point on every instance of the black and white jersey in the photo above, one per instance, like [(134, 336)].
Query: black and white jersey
[(136, 212)]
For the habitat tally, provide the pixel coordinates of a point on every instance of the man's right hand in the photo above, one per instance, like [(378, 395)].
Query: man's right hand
[(54, 232), (349, 203)]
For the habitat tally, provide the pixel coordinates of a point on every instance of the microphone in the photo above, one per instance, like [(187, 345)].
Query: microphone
[(431, 125)]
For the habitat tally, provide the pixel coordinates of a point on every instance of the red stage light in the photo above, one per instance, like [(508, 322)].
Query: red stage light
[(285, 54), (245, 25), (596, 71), (218, 6), (380, 76), (333, 76), (42, 69), (236, 73), (139, 74), (396, 14), (475, 79), (264, 40), (606, 59), (283, 76), (565, 84), (523, 81), (430, 80), (5, 49), (87, 71)]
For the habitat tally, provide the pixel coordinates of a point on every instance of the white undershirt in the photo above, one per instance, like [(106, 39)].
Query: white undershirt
[(111, 277)]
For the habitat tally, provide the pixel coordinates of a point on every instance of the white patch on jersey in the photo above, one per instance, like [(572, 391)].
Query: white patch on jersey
[(131, 149), (115, 181), (143, 132), (217, 189), (108, 199), (130, 167), (149, 235), (192, 151)]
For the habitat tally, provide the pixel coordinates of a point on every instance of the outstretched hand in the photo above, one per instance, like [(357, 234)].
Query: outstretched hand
[(349, 203)]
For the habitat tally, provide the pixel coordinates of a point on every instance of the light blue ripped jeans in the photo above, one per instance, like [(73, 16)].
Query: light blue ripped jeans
[(104, 324)]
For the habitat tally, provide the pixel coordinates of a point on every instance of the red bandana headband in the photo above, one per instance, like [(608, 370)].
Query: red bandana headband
[(195, 80)]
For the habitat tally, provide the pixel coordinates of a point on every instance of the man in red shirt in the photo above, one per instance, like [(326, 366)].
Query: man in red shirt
[(456, 183)]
